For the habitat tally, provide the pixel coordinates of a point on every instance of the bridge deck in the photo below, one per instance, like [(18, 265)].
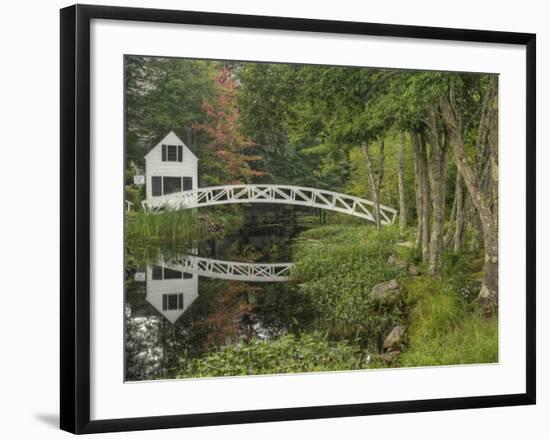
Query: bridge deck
[(277, 194)]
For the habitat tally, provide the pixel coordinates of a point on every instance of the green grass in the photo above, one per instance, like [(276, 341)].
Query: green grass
[(444, 329), (182, 225), (168, 225)]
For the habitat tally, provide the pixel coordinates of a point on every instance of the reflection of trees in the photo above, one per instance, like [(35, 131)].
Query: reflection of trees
[(224, 312), (143, 353)]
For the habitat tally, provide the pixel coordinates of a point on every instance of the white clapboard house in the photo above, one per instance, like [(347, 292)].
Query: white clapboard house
[(170, 167), (170, 291)]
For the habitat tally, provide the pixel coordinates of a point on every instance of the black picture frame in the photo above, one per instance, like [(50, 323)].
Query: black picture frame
[(75, 217)]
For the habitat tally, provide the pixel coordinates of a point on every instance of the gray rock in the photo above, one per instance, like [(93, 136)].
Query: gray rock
[(407, 244), (393, 339), (386, 291), (414, 270), (397, 262), (388, 357)]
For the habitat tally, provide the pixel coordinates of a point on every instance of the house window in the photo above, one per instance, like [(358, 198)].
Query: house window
[(172, 302), (172, 153), (172, 274), (187, 183), (161, 273), (156, 183), (171, 185)]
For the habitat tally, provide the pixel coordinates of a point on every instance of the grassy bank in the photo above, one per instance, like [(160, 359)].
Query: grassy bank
[(180, 225), (168, 225), (444, 328), (336, 268)]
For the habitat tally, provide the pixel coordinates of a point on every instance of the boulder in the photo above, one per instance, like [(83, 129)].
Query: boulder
[(393, 339), (388, 357), (407, 244), (414, 270), (393, 260), (388, 291)]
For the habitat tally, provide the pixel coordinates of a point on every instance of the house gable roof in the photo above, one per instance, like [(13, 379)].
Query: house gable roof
[(171, 315), (172, 139)]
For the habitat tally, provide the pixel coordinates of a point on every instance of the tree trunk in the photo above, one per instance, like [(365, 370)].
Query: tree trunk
[(460, 216), (451, 229), (439, 142), (401, 186), (425, 195), (417, 189), (476, 233), (375, 179), (484, 202)]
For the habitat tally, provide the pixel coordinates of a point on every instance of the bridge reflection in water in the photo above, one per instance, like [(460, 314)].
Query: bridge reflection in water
[(172, 286)]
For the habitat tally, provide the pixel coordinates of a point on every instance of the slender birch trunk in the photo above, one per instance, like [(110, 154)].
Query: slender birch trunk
[(401, 186), (417, 190), (375, 178)]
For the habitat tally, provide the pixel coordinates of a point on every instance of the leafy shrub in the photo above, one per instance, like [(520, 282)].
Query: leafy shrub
[(135, 196), (288, 354), (336, 268)]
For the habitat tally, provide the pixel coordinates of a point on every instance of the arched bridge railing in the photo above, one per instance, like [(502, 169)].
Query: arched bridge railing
[(231, 270), (270, 193)]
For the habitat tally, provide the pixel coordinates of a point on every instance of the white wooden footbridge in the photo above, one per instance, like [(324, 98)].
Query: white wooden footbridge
[(270, 193), (231, 270)]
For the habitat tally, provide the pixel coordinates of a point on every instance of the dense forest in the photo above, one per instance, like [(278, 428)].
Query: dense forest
[(422, 142)]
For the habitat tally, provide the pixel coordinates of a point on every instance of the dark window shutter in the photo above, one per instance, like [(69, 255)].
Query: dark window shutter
[(180, 153), (180, 301), (163, 153), (157, 273), (156, 183), (187, 275), (187, 183), (164, 302)]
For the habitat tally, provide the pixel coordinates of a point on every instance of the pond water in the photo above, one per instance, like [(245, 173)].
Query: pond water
[(184, 300)]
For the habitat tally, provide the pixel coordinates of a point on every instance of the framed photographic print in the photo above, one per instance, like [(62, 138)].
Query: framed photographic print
[(268, 218)]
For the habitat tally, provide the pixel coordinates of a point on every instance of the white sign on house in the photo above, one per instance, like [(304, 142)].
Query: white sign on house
[(170, 167), (139, 276), (139, 180)]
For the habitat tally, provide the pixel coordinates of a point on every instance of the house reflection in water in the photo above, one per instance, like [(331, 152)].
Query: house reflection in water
[(171, 287), (170, 291)]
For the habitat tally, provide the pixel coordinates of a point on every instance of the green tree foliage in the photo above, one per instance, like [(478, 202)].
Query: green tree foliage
[(337, 128), (163, 95)]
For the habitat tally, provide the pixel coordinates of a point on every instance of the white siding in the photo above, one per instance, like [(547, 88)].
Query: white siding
[(154, 166)]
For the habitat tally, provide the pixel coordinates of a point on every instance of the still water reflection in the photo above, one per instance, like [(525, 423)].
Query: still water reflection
[(183, 302)]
